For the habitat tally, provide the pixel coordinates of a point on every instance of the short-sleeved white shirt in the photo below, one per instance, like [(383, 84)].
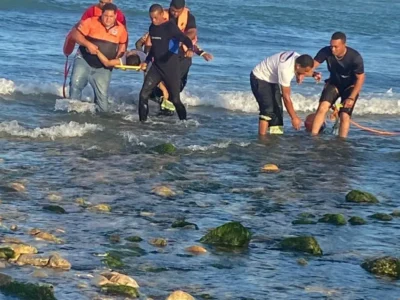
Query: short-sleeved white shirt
[(278, 68)]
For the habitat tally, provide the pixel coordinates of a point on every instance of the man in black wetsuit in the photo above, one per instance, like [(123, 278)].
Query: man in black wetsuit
[(165, 38), (346, 79)]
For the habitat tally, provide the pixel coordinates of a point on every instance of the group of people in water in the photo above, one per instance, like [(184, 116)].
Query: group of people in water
[(165, 54)]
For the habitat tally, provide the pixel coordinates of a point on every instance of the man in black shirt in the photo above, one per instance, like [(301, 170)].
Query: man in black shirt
[(346, 79), (165, 39)]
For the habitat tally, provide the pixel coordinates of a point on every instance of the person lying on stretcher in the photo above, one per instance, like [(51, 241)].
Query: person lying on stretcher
[(135, 58)]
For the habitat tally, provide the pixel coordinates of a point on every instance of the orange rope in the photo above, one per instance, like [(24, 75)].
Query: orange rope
[(335, 116)]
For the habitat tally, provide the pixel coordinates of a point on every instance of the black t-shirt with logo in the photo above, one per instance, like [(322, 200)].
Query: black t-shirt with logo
[(342, 71)]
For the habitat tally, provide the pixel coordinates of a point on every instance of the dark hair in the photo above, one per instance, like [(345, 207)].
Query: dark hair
[(305, 61), (156, 8), (109, 6), (178, 4), (133, 60), (339, 36)]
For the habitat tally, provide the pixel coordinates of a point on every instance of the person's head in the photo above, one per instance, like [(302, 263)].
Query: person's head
[(104, 2), (109, 14), (176, 7), (303, 64), (338, 44), (156, 13), (132, 59)]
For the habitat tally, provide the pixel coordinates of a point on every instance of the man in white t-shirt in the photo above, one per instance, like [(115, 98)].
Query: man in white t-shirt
[(268, 78)]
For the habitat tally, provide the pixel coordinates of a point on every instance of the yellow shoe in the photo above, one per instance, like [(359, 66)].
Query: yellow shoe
[(167, 105)]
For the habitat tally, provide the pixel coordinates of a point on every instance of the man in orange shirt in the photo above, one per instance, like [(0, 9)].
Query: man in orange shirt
[(95, 34)]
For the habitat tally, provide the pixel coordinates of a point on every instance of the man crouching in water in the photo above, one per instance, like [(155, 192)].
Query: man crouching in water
[(165, 38)]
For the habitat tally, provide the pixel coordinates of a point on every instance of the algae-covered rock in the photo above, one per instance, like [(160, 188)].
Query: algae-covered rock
[(388, 266), (6, 253), (230, 234), (45, 236), (166, 148), (381, 217), (307, 244), (357, 196), (180, 295), (20, 248), (120, 290), (180, 223), (134, 239), (357, 221), (113, 261), (303, 222), (28, 291), (54, 209), (5, 279), (335, 219)]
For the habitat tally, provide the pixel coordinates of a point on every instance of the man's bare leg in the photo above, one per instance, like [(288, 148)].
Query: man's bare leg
[(344, 125), (262, 127), (320, 117)]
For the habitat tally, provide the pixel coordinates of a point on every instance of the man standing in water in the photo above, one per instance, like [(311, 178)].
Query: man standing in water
[(104, 34), (267, 79), (346, 79), (165, 39)]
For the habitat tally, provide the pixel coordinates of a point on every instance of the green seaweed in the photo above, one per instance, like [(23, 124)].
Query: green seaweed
[(357, 221), (166, 148), (381, 217), (28, 291), (6, 253)]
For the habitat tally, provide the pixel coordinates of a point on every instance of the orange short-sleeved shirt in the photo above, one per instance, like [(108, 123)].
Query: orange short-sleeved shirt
[(94, 29)]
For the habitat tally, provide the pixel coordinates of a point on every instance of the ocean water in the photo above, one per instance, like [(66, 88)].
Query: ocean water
[(53, 146)]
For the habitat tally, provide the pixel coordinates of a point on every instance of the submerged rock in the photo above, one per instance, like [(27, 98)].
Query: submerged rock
[(13, 227), (163, 191), (307, 244), (39, 274), (45, 236), (357, 221), (181, 223), (27, 291), (381, 217), (158, 242), (134, 239), (180, 295), (270, 168), (302, 262), (306, 215), (395, 214), (57, 262), (5, 279), (100, 208), (231, 234), (303, 222), (335, 219), (196, 249), (16, 187), (357, 196), (115, 238), (120, 290), (54, 197), (166, 148), (55, 209), (388, 266)]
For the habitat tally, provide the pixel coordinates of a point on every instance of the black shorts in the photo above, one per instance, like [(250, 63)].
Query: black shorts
[(269, 99), (331, 93)]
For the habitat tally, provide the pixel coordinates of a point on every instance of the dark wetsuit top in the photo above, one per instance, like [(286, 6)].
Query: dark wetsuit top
[(342, 72), (165, 39)]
